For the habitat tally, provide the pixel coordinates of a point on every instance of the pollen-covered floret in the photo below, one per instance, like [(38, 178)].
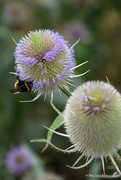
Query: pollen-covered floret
[(44, 58)]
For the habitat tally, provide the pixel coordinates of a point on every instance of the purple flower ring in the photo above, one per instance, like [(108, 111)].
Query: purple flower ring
[(44, 58), (17, 160)]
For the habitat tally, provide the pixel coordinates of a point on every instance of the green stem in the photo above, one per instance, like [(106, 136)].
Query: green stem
[(54, 107), (66, 92)]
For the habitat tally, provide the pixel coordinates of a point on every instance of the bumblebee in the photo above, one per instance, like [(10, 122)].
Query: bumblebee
[(21, 86)]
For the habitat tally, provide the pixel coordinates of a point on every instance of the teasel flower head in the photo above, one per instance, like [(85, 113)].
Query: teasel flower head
[(18, 160), (93, 121), (46, 60)]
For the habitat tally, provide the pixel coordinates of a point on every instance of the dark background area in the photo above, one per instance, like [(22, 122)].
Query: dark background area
[(98, 25)]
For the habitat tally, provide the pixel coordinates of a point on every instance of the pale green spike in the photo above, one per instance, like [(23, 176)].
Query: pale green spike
[(61, 134), (12, 73), (14, 40), (107, 80), (53, 146), (38, 95), (79, 167), (79, 65), (80, 157), (70, 147), (102, 159), (115, 165), (79, 75), (75, 43)]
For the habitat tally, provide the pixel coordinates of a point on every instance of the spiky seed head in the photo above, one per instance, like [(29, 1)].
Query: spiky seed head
[(93, 119), (44, 58)]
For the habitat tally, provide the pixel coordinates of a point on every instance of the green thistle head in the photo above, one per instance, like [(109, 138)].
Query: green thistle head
[(93, 122), (93, 119)]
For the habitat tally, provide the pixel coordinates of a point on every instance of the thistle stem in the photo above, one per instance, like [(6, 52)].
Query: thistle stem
[(66, 92), (54, 107)]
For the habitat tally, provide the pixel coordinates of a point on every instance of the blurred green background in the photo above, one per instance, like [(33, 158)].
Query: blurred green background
[(98, 25)]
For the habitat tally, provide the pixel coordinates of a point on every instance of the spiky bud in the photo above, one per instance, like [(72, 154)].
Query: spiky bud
[(44, 58), (93, 119)]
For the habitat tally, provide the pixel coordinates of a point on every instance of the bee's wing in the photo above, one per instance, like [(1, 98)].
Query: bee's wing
[(14, 90)]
